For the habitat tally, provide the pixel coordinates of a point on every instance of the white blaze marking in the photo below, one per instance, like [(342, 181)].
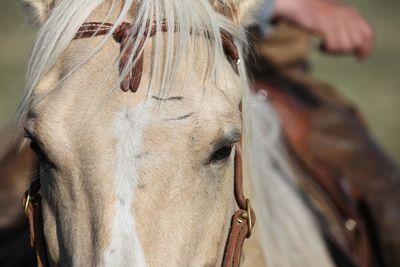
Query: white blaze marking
[(125, 248)]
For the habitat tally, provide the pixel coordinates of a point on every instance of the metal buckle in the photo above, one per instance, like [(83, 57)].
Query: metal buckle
[(35, 201), (246, 215), (26, 205)]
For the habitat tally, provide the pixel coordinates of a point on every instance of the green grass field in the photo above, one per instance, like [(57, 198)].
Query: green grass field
[(373, 85)]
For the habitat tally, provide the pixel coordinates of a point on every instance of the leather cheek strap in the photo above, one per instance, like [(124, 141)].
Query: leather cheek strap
[(242, 221), (33, 211), (236, 238)]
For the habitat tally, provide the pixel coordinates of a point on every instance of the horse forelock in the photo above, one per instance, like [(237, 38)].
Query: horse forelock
[(67, 16)]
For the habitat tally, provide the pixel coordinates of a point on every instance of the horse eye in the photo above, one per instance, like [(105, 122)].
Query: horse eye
[(41, 156), (221, 154), (38, 151)]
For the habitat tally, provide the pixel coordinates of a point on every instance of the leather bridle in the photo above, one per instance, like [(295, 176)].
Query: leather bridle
[(243, 219)]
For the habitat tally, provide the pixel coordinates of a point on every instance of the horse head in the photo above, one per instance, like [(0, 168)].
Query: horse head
[(145, 177)]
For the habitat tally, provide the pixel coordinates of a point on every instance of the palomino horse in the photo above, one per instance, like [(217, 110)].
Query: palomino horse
[(146, 178)]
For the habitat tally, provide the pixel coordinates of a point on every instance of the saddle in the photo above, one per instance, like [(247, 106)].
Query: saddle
[(348, 181)]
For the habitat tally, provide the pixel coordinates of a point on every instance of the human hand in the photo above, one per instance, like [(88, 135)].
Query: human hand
[(342, 29)]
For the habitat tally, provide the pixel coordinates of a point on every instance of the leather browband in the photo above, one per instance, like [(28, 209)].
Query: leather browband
[(242, 221), (123, 35)]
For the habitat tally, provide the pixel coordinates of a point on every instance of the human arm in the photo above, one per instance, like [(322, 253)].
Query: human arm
[(341, 27)]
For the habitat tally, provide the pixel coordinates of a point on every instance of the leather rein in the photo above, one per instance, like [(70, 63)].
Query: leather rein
[(243, 219)]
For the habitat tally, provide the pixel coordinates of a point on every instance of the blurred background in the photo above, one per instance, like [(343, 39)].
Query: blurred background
[(374, 85)]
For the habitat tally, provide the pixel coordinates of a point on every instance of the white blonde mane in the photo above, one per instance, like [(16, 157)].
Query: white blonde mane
[(289, 234)]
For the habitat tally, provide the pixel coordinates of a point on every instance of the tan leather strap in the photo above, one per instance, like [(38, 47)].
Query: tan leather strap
[(242, 221)]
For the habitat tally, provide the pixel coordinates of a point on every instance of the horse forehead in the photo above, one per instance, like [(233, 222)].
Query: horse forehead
[(80, 99)]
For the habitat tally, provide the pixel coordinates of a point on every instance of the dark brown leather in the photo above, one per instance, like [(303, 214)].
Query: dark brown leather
[(339, 197), (243, 219), (329, 142), (340, 138)]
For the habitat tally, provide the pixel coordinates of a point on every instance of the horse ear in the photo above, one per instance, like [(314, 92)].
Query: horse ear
[(242, 12), (38, 10)]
